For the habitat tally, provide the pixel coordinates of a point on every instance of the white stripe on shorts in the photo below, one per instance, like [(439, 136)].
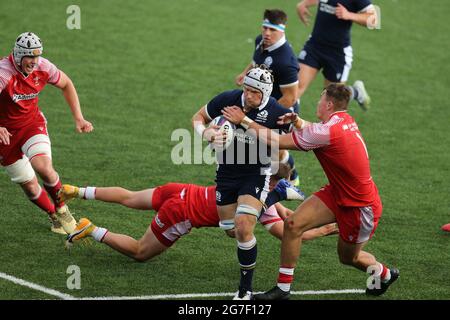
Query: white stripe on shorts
[(366, 228), (348, 51)]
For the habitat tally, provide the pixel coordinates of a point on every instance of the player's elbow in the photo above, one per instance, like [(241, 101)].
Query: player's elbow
[(290, 100)]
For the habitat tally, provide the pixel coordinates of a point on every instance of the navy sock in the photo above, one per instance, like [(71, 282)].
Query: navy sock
[(294, 173), (247, 260)]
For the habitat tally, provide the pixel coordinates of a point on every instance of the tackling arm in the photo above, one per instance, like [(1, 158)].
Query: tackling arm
[(237, 116)]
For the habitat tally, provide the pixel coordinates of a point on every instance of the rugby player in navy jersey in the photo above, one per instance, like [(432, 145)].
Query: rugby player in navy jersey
[(273, 50), (329, 46), (244, 168)]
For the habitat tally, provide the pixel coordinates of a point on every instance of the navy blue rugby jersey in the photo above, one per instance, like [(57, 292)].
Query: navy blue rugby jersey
[(244, 156), (328, 29), (281, 59)]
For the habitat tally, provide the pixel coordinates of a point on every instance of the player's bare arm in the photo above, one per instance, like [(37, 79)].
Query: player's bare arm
[(71, 96), (360, 18), (289, 95), (303, 11), (210, 134)]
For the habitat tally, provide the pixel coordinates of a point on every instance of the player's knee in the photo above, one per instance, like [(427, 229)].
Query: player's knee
[(32, 189), (245, 220), (141, 255), (130, 199), (293, 228), (47, 173), (21, 171)]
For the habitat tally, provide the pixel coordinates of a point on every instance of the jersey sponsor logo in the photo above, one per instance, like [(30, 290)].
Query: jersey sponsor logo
[(268, 61), (262, 116), (244, 138), (19, 97), (327, 8), (158, 222)]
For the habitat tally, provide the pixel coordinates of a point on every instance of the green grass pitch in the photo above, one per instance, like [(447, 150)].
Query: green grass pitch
[(142, 68)]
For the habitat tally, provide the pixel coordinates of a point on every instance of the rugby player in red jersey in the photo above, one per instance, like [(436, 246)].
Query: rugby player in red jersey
[(180, 207), (25, 146), (351, 198)]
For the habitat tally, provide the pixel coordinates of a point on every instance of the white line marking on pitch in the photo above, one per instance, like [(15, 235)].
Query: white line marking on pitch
[(65, 296), (220, 294), (37, 287)]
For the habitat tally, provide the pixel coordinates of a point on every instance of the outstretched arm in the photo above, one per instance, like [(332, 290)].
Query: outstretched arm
[(71, 96), (303, 12), (271, 138)]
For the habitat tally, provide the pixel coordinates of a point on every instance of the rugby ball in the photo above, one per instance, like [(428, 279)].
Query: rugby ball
[(227, 127)]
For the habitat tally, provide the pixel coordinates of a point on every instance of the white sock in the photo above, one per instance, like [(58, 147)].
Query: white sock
[(87, 193), (99, 233), (286, 287)]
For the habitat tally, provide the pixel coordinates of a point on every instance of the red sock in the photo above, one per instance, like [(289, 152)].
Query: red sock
[(385, 273), (43, 202), (53, 192), (285, 278)]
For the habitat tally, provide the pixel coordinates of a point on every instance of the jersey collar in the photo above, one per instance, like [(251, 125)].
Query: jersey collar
[(276, 45)]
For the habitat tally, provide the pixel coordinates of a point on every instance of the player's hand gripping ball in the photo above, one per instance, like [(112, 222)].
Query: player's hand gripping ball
[(227, 129)]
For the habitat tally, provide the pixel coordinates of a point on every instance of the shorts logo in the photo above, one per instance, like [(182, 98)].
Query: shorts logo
[(183, 193), (257, 190), (158, 222), (268, 61), (302, 55), (218, 196), (338, 76)]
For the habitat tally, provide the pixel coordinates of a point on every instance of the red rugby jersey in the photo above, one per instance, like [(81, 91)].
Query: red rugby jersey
[(19, 94), (340, 149)]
